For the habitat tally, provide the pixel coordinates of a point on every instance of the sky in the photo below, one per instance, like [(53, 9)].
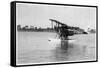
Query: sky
[(39, 15)]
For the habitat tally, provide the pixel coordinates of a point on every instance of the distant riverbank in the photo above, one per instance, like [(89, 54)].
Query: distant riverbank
[(36, 30)]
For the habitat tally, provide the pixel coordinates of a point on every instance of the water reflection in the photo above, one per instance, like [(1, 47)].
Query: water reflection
[(72, 52), (62, 51), (64, 45)]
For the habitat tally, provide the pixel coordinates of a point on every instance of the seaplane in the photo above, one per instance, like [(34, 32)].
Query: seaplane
[(62, 30)]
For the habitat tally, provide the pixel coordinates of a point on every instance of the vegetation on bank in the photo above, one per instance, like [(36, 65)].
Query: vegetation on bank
[(34, 29)]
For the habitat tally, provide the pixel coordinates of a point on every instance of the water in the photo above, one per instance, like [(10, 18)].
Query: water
[(34, 47)]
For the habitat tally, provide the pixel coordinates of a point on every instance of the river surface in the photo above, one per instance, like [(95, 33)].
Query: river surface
[(34, 47)]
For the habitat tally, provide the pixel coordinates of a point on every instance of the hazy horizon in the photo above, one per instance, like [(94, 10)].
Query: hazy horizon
[(39, 15)]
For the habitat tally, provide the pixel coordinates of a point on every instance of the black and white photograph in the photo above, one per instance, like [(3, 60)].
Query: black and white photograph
[(55, 34)]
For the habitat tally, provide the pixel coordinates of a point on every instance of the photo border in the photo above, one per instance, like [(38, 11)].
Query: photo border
[(13, 32)]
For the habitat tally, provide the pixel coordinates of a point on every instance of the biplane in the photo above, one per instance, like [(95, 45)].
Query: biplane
[(62, 29)]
